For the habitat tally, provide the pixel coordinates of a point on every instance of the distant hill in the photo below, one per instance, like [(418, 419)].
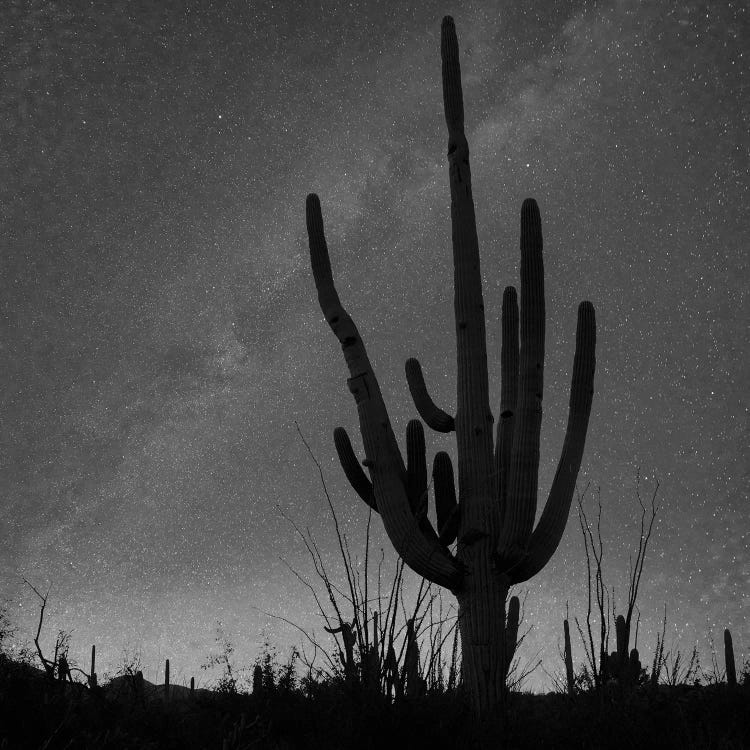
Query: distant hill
[(122, 687), (125, 687)]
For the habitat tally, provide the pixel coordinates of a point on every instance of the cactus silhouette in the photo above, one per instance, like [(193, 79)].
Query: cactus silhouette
[(92, 675), (347, 656), (569, 675), (493, 518), (621, 665), (729, 658)]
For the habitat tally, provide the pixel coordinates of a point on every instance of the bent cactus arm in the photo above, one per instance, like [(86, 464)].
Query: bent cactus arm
[(549, 530), (508, 393), (433, 415), (352, 469), (426, 556)]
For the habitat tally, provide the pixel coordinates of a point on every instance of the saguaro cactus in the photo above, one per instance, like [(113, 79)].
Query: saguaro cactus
[(569, 676), (621, 665), (497, 479), (92, 675), (729, 658)]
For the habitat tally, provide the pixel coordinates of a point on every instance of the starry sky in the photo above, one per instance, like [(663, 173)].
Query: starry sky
[(160, 334)]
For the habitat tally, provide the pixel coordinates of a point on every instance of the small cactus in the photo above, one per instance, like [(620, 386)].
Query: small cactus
[(621, 666), (63, 670), (621, 632), (92, 675), (729, 658), (568, 659)]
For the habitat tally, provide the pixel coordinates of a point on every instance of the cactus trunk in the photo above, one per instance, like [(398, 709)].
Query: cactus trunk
[(485, 655), (492, 518)]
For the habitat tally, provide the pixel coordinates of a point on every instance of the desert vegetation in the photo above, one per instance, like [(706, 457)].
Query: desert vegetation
[(386, 675), (384, 671)]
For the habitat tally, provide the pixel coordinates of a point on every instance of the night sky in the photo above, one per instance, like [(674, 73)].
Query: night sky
[(160, 333)]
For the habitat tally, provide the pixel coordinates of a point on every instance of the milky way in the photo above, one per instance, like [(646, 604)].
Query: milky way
[(161, 335)]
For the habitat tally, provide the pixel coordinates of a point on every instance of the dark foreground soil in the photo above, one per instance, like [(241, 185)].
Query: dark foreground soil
[(37, 714)]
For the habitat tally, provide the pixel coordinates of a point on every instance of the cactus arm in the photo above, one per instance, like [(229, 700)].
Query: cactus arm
[(416, 467), (416, 478), (511, 630), (426, 557), (476, 478), (520, 509), (445, 498), (549, 530), (450, 529), (433, 415), (352, 468), (508, 391)]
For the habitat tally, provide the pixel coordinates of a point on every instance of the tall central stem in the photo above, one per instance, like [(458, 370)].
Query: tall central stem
[(476, 480)]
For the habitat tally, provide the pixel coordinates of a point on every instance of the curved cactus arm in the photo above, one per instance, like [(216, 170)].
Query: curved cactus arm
[(427, 558), (352, 468), (433, 415), (446, 508), (549, 530), (508, 391), (522, 485)]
